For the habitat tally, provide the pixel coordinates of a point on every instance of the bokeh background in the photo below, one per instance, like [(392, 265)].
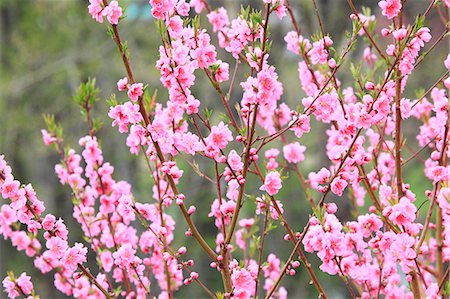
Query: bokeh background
[(49, 47)]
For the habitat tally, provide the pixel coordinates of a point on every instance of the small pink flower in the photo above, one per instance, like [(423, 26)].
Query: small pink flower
[(235, 161), (122, 84), (57, 247), (74, 256), (293, 152), (222, 73), (47, 138), (95, 10), (220, 136), (390, 8), (49, 222), (124, 256), (135, 91), (403, 213), (272, 183), (219, 19), (113, 12), (399, 34), (10, 288), (107, 260), (338, 185), (24, 283)]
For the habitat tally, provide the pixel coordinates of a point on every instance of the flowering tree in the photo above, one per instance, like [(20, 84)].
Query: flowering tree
[(385, 251)]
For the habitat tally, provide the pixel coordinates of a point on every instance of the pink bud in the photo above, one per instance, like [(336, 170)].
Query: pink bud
[(332, 63), (385, 32), (191, 210), (331, 208), (182, 250), (194, 275), (122, 84), (370, 85)]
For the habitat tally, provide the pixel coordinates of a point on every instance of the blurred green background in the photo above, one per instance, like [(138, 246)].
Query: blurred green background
[(49, 47)]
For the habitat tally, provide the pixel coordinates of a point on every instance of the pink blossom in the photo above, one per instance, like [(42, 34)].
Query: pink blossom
[(113, 12), (432, 292), (162, 7), (390, 8), (319, 52), (135, 91), (272, 183), (57, 247), (338, 185), (47, 138), (403, 213), (243, 283), (235, 161), (107, 260), (122, 84), (74, 256), (219, 19), (220, 136), (10, 287), (24, 283), (95, 10), (124, 115), (293, 152), (124, 256), (49, 222), (222, 72)]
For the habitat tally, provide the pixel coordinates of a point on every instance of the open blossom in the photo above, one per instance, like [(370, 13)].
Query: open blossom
[(113, 12), (10, 287), (135, 91), (124, 256), (243, 283), (74, 256), (403, 213), (24, 283), (390, 8), (293, 152), (218, 19), (162, 7), (272, 183), (235, 161), (57, 247), (47, 138), (338, 185), (124, 115), (122, 84), (95, 10), (220, 136), (319, 52), (222, 72)]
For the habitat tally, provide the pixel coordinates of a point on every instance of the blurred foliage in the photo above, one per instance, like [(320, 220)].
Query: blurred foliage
[(49, 47)]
